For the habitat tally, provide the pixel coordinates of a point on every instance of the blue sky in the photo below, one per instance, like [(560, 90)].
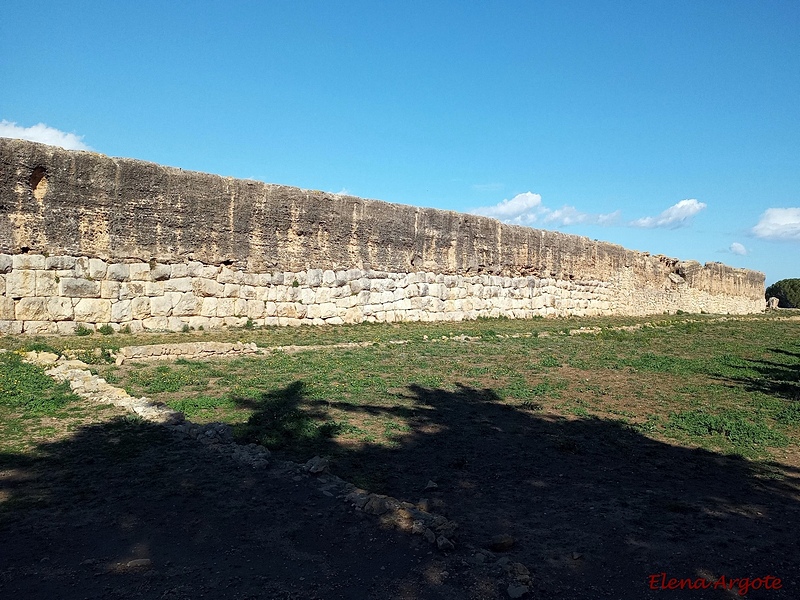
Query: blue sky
[(665, 126)]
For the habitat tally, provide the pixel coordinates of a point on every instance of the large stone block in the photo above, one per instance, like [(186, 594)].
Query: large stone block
[(59, 263), (60, 309), (32, 309), (92, 310), (20, 284), (179, 284), (78, 288), (6, 263), (188, 305), (118, 272), (121, 311), (207, 287), (7, 309), (160, 306), (109, 289), (97, 268), (46, 284), (128, 290), (140, 308), (28, 261)]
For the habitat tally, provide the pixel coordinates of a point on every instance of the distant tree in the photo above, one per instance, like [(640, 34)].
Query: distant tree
[(787, 291)]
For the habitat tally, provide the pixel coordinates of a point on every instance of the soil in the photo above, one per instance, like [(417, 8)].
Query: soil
[(594, 509)]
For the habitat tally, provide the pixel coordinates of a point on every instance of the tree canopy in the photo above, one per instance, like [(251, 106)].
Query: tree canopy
[(787, 291)]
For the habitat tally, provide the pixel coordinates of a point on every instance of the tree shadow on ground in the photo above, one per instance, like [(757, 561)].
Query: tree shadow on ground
[(779, 377), (75, 513), (595, 507)]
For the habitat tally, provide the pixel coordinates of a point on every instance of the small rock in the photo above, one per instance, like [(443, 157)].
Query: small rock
[(502, 542), (139, 562), (517, 591), (444, 544), (424, 504), (576, 555), (431, 485), (430, 536), (317, 465)]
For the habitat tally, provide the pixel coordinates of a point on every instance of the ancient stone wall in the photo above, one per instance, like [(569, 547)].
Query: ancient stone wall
[(88, 239)]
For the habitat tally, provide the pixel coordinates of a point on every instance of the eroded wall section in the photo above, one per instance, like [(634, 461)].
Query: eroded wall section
[(90, 239)]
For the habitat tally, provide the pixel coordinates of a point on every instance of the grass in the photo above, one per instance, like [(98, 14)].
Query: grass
[(727, 386)]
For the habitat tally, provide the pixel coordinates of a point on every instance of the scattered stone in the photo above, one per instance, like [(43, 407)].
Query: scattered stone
[(576, 555), (139, 562), (317, 465), (431, 485), (444, 544), (502, 543)]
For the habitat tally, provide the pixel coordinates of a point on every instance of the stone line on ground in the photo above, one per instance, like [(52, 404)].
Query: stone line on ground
[(391, 512)]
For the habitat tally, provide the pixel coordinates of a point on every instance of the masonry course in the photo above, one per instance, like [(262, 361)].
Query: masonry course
[(87, 239)]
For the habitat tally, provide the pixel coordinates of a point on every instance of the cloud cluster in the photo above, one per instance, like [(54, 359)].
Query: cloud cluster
[(44, 134), (677, 215), (737, 248), (528, 209), (779, 224)]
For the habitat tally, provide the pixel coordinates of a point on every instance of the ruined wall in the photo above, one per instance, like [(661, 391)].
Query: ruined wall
[(89, 239)]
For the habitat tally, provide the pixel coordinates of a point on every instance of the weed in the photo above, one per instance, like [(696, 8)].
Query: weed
[(185, 328), (26, 386), (82, 330), (106, 329)]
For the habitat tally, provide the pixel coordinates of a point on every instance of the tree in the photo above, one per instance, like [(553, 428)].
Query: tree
[(787, 291)]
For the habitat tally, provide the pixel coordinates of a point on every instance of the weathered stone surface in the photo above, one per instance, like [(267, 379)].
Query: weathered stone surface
[(20, 284), (28, 261), (78, 288), (118, 272), (92, 310), (6, 263)]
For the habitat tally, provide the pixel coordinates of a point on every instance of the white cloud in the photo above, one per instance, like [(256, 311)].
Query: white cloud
[(779, 224), (737, 248), (44, 134), (677, 215), (527, 209)]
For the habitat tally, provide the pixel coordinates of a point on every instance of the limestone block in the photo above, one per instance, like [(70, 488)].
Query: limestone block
[(239, 307), (128, 290), (93, 310), (248, 292), (289, 322), (209, 307), (179, 284), (109, 289), (355, 286), (97, 268), (140, 308), (328, 277), (271, 294), (66, 327), (255, 309), (154, 288), (346, 302), (7, 309), (235, 321), (139, 272), (286, 309), (270, 309), (10, 327), (412, 290), (207, 287), (341, 279), (155, 323), (78, 288), (353, 315), (314, 277), (257, 279), (339, 292), (208, 272), (20, 284), (122, 311), (6, 263), (39, 327), (28, 261), (398, 294), (160, 272), (307, 296), (225, 307), (60, 309), (31, 309), (46, 284), (198, 322), (175, 324), (323, 295), (227, 275), (187, 305), (118, 272), (335, 321), (59, 263), (215, 322), (178, 271), (195, 268), (328, 310), (231, 290), (160, 306)]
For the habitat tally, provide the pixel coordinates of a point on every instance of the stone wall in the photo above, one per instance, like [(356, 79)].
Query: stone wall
[(93, 240)]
